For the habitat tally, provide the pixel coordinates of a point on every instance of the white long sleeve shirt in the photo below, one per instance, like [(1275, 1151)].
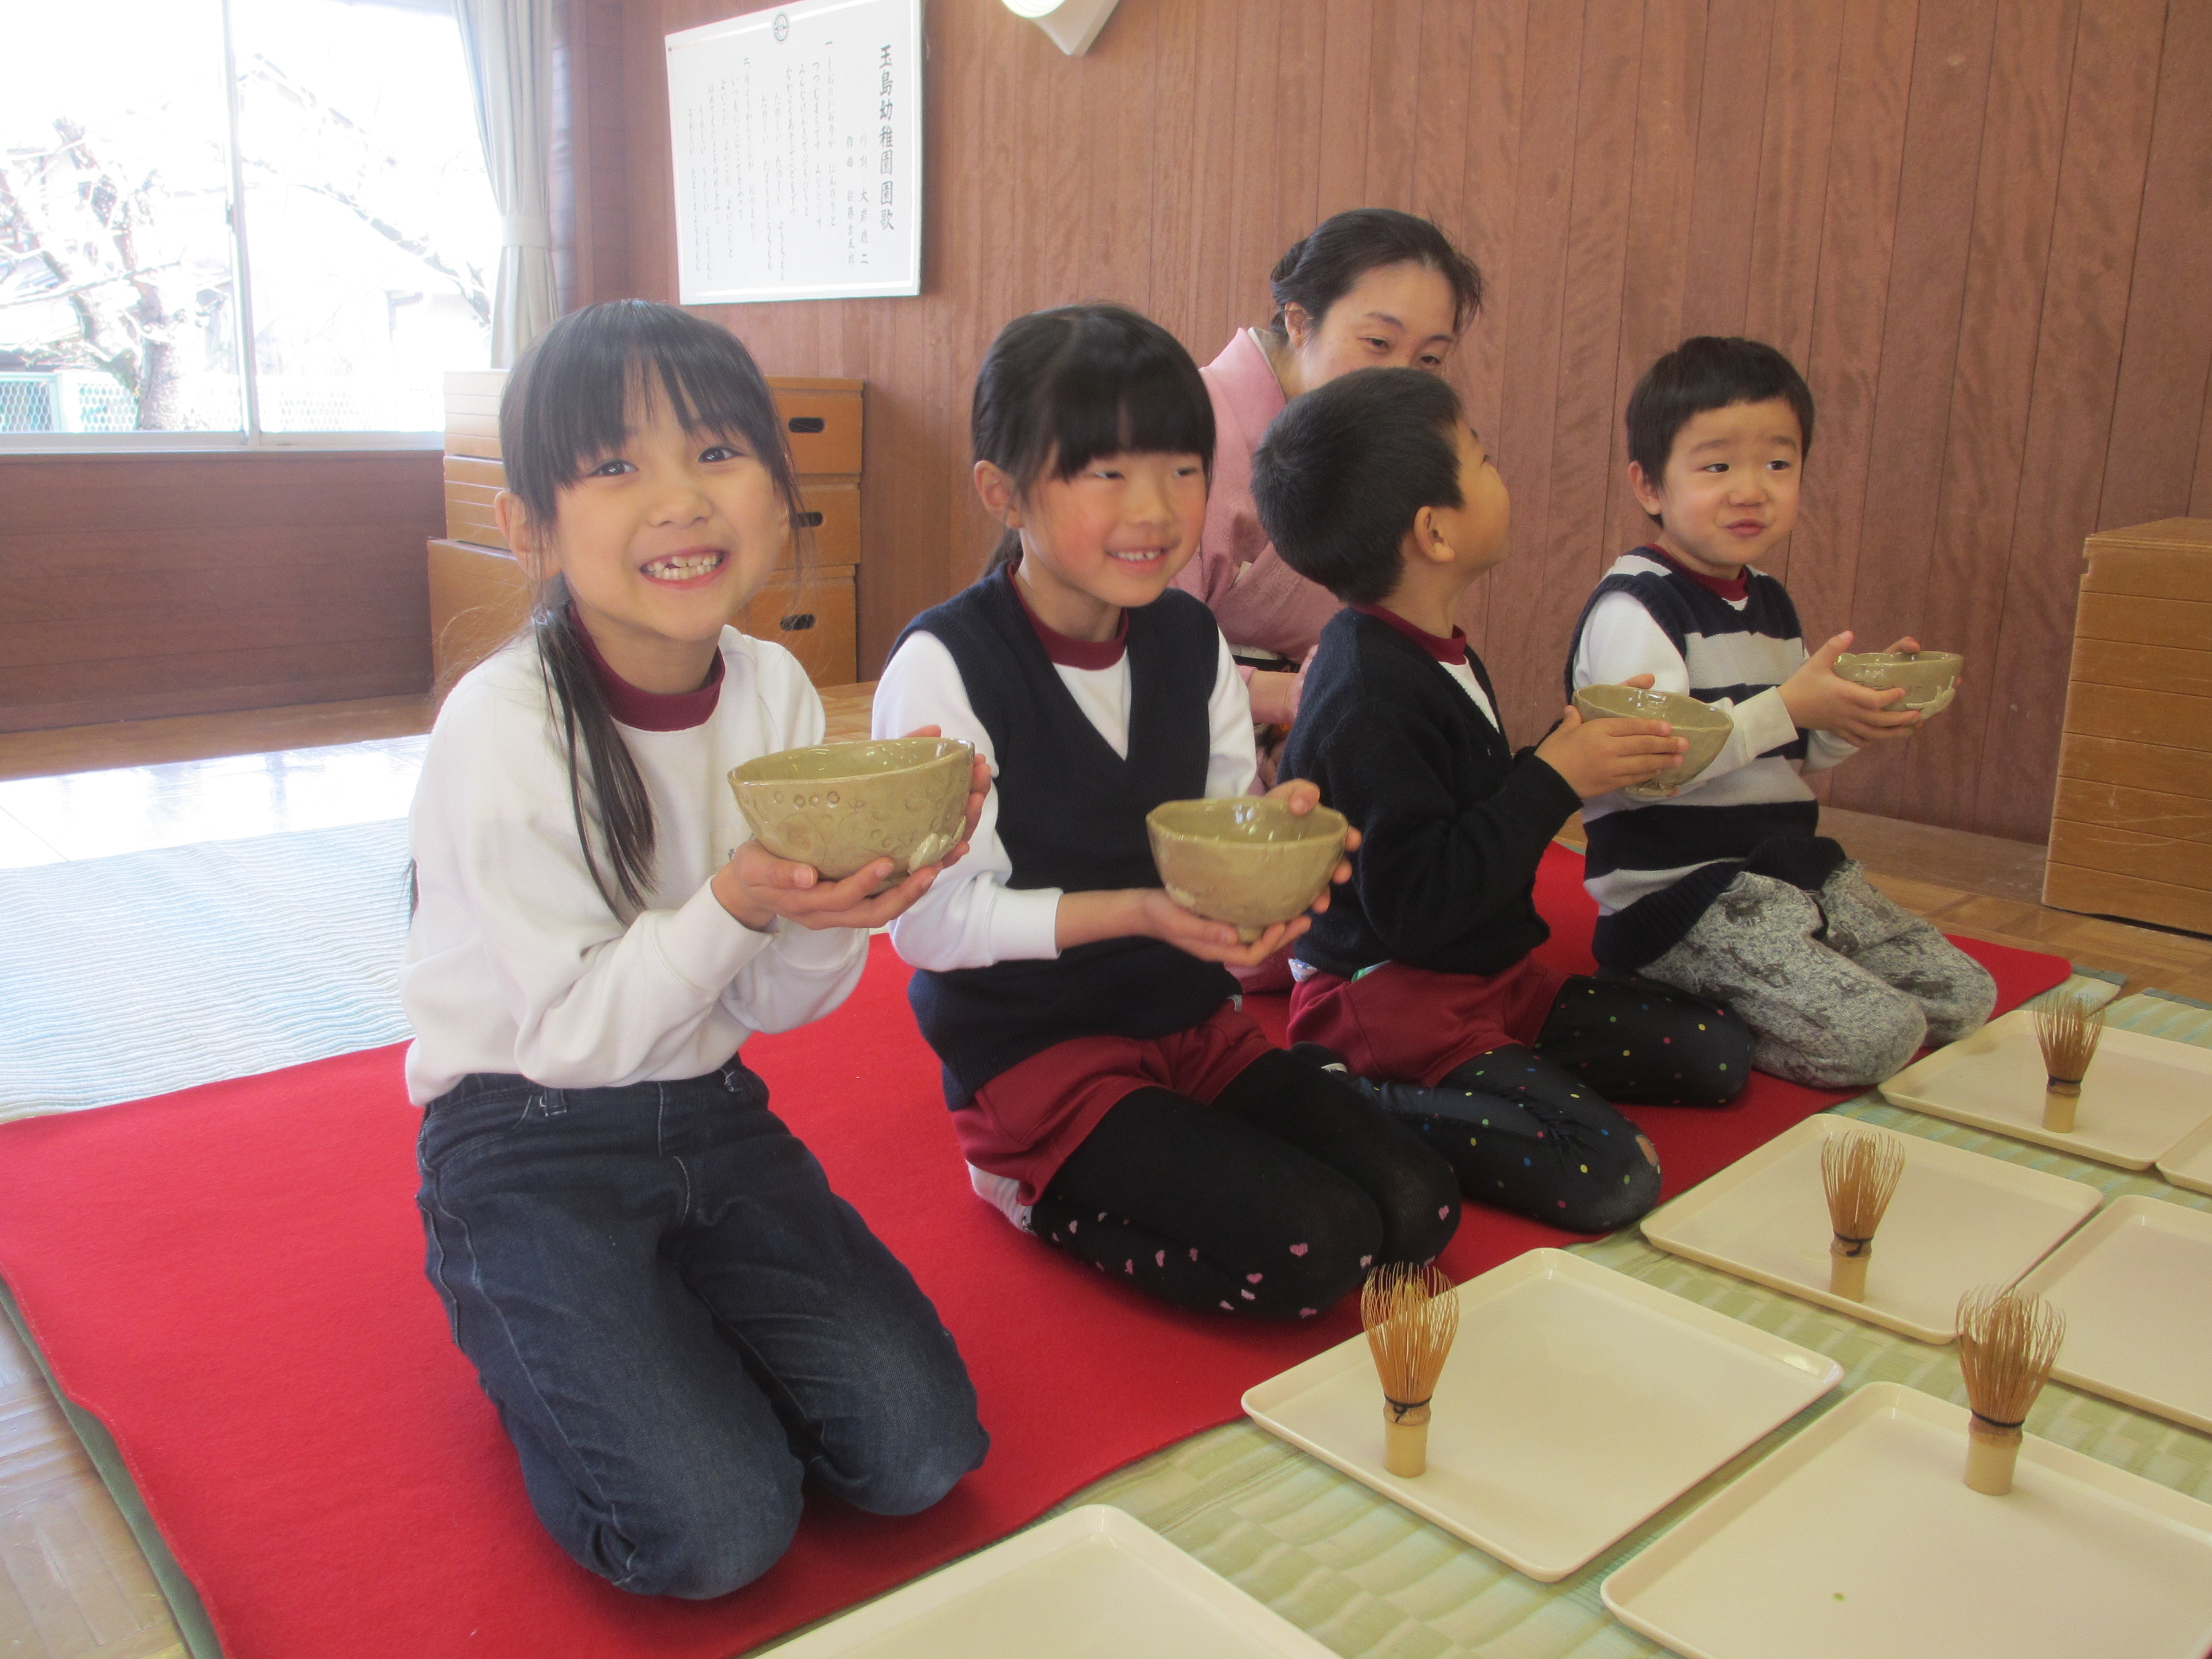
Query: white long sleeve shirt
[(515, 964), (970, 918)]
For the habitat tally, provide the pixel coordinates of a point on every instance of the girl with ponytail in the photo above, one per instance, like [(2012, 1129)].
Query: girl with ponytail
[(675, 1316), (1109, 1097)]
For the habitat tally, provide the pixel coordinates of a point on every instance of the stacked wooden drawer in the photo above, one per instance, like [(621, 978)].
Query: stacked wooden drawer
[(479, 596), (2131, 829)]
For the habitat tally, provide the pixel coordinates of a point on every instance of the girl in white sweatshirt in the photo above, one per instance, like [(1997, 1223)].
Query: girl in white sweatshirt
[(676, 1318)]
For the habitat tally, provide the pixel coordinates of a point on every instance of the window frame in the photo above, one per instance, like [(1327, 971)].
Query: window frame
[(252, 438)]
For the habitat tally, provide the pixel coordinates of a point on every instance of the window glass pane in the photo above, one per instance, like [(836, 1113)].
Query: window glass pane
[(372, 239), (117, 303)]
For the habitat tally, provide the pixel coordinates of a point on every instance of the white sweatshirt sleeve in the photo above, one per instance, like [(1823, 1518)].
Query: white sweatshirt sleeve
[(1233, 764), (516, 962), (1825, 749), (970, 918), (588, 998), (1620, 641)]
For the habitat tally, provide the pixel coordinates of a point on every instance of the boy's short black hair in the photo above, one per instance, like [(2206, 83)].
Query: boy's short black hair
[(1709, 372), (1344, 470)]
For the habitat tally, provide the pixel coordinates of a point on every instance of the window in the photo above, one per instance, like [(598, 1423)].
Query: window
[(237, 223)]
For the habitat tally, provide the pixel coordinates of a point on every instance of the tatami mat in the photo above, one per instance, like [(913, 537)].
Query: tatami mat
[(144, 972), (1370, 1578)]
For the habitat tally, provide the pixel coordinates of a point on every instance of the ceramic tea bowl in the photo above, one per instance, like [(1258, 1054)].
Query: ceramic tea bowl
[(1244, 860), (841, 805), (1705, 727), (1930, 677)]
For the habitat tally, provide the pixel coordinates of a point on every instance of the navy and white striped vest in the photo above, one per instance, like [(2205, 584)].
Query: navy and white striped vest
[(1654, 866)]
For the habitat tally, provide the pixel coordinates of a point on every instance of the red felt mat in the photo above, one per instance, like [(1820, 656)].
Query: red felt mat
[(231, 1279)]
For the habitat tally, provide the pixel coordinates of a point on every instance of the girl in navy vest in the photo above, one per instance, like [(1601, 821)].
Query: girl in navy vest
[(676, 1318), (1108, 1094)]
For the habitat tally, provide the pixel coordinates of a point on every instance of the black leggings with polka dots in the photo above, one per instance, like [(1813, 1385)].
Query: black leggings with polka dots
[(1271, 1202), (1531, 1130)]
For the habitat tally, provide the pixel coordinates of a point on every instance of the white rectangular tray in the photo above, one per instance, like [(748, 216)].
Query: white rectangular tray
[(1959, 1219), (2190, 1164), (2135, 1286), (1093, 1584), (1577, 1402), (1861, 1538), (2143, 1093)]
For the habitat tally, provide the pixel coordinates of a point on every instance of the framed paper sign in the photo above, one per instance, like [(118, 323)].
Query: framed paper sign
[(798, 139)]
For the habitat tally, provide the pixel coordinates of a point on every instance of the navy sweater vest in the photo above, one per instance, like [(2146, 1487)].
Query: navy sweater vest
[(1776, 834), (1072, 815)]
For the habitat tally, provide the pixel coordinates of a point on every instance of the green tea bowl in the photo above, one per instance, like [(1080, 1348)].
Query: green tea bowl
[(1245, 860), (839, 806)]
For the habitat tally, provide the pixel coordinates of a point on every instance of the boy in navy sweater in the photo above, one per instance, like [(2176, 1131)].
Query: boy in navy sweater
[(1419, 975), (1726, 889)]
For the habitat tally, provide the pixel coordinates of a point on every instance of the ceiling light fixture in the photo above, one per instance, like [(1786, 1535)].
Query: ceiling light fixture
[(1072, 24)]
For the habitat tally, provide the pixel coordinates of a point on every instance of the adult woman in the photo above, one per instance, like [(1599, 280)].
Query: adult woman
[(1371, 287)]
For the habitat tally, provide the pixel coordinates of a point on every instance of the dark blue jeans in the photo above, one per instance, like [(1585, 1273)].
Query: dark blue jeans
[(678, 1321)]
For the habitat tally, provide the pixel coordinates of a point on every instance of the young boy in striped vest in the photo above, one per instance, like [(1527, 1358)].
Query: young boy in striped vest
[(1726, 889)]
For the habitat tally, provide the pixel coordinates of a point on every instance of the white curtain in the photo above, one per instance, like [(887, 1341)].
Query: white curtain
[(509, 45)]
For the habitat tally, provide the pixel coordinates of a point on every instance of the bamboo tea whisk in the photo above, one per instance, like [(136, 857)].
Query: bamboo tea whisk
[(1412, 1316), (1860, 1171), (2008, 1342), (2068, 1028)]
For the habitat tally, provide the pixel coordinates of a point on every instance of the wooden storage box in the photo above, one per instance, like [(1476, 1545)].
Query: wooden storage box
[(2131, 826), (821, 418), (480, 599), (472, 483), (811, 614), (822, 423), (831, 512)]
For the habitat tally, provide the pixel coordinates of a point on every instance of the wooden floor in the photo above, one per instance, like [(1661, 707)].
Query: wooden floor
[(209, 737), (73, 1584)]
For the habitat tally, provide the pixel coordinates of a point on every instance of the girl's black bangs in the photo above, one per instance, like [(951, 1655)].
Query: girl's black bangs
[(580, 385), (1123, 396)]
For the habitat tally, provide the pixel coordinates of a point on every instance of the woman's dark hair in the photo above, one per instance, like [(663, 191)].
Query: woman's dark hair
[(1709, 372), (1060, 388), (1344, 470), (569, 404), (1320, 267)]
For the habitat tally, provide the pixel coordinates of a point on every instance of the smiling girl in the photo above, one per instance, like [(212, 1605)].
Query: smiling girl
[(675, 1316), (1107, 1094)]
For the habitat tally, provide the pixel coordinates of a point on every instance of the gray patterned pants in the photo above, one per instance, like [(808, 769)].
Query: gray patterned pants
[(1839, 987)]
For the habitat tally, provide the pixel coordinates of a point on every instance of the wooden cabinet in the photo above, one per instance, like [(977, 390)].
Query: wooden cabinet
[(2131, 829), (811, 615), (479, 597)]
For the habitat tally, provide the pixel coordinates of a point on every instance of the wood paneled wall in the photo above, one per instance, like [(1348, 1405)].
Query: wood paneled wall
[(138, 585), (1980, 229), (588, 177)]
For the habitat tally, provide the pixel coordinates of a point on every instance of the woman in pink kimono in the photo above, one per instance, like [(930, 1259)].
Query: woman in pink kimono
[(1368, 288)]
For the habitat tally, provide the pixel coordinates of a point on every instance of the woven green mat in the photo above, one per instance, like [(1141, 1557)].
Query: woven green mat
[(1365, 1576)]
